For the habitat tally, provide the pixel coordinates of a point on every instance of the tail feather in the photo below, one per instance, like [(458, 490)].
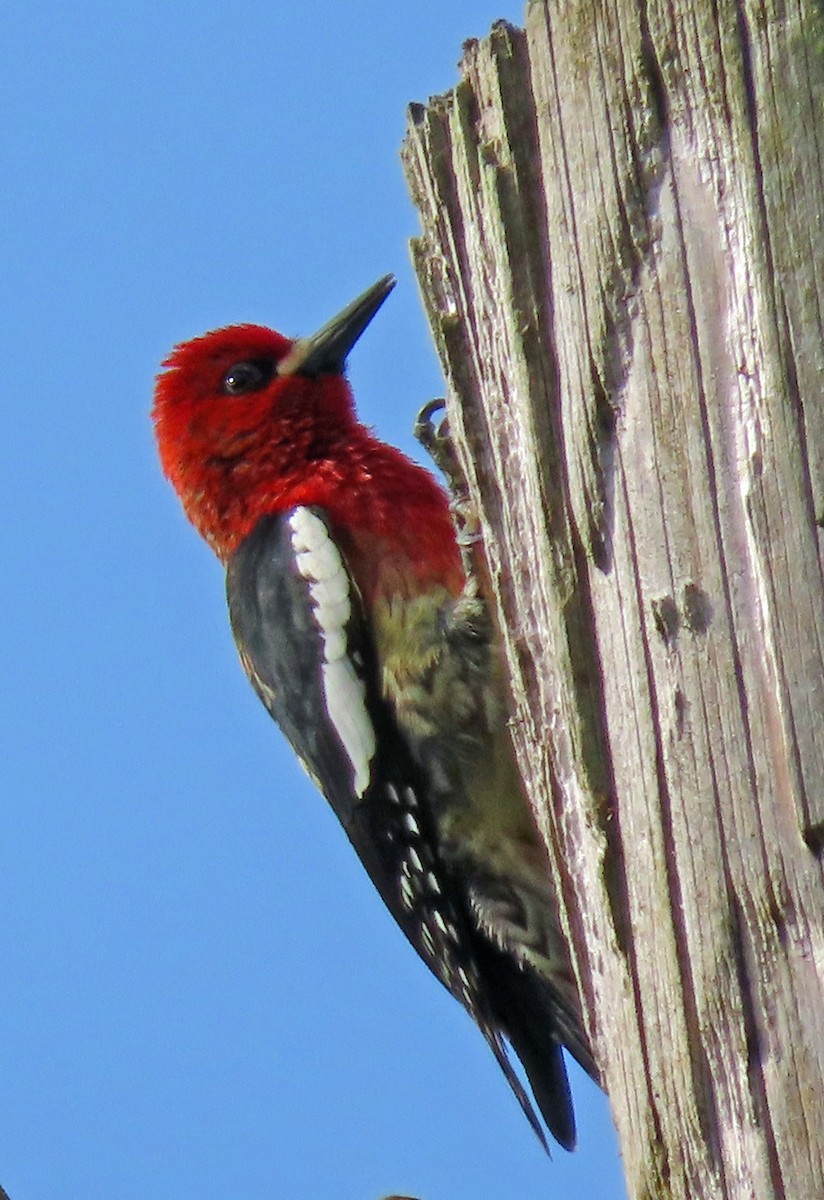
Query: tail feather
[(534, 1019), (528, 1109), (546, 1071)]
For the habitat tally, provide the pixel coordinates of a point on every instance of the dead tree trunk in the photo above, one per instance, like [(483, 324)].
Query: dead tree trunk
[(623, 262)]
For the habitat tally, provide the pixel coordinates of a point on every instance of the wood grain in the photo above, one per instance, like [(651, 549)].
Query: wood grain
[(622, 259)]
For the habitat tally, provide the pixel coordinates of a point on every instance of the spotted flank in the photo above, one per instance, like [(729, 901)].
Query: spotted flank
[(442, 935), (423, 896), (319, 562)]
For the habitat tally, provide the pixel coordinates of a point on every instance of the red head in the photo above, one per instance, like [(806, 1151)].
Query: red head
[(250, 423), (241, 413)]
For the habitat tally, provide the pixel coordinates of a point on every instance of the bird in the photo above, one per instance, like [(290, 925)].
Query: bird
[(366, 635)]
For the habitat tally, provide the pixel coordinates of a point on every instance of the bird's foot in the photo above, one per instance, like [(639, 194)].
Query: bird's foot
[(436, 439)]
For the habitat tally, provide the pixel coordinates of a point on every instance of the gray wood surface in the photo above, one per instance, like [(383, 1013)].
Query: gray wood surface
[(622, 258)]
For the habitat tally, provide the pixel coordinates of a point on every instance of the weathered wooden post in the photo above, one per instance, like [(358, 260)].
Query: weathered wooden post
[(623, 261)]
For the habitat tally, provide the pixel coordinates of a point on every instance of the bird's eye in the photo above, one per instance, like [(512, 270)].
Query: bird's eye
[(248, 376)]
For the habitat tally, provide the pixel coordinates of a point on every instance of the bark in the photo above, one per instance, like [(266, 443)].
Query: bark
[(622, 259)]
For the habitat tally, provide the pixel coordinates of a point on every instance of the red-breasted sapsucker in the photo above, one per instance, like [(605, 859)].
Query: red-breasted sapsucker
[(348, 603)]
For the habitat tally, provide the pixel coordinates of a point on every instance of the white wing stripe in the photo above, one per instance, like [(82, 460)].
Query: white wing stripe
[(319, 562)]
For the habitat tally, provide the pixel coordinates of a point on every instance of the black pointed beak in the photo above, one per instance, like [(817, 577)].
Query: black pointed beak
[(325, 353)]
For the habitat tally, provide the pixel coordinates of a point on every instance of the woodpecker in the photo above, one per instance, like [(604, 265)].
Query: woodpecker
[(366, 641)]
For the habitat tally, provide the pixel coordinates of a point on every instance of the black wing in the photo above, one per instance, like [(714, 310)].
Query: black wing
[(304, 642)]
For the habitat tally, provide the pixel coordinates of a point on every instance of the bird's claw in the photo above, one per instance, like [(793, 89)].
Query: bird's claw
[(436, 439)]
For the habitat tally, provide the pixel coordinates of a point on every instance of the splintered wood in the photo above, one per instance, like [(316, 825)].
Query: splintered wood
[(622, 258)]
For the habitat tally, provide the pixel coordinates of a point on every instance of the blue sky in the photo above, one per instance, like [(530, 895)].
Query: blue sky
[(202, 996)]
